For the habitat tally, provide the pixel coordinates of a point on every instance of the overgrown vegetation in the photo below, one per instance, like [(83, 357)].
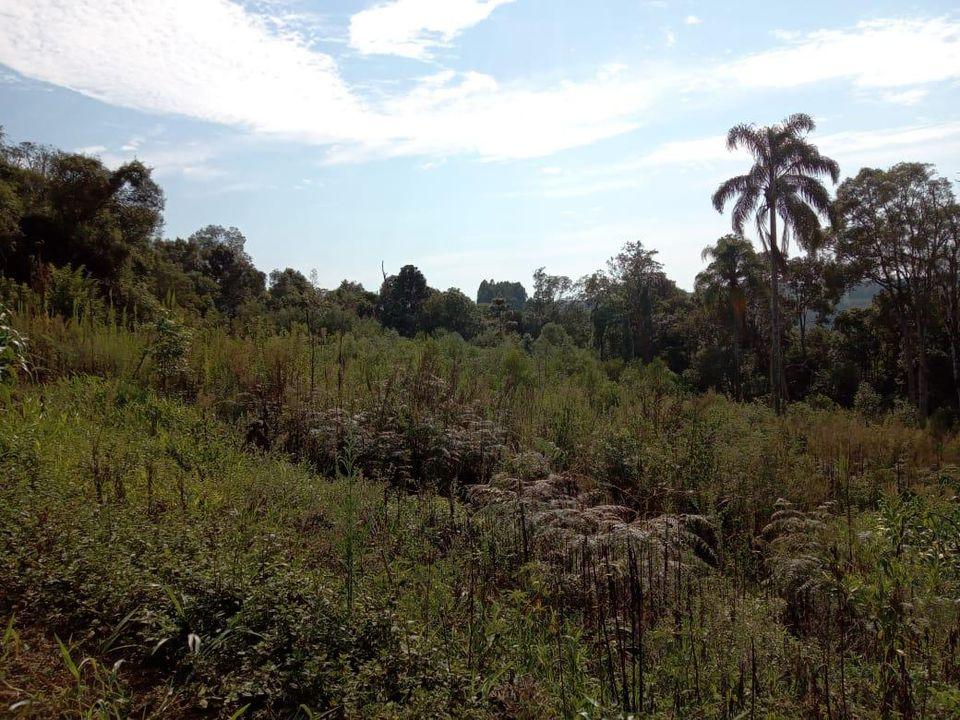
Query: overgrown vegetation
[(226, 499), (445, 530), (871, 302)]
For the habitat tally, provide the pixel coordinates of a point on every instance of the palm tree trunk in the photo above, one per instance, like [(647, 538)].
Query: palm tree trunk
[(776, 360)]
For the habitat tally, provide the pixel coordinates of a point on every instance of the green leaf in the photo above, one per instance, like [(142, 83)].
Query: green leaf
[(71, 666), (177, 605)]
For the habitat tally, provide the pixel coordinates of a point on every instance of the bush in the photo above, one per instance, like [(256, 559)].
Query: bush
[(867, 402)]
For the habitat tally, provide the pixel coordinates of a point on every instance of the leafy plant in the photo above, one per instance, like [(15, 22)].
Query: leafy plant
[(13, 349)]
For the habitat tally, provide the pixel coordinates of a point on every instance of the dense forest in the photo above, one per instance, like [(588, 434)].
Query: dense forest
[(233, 494)]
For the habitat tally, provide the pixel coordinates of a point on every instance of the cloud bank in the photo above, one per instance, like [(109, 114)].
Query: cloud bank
[(216, 61)]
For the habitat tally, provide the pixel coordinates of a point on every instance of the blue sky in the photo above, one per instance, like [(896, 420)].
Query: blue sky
[(473, 138)]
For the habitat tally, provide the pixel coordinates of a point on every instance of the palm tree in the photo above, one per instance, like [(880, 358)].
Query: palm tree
[(783, 185), (732, 275)]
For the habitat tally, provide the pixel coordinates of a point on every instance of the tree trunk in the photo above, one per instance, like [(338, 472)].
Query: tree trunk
[(955, 360), (952, 303), (776, 359), (923, 374), (907, 358), (802, 322), (738, 382)]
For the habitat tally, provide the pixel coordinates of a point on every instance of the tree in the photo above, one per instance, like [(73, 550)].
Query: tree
[(401, 301), (294, 298), (549, 292), (353, 298), (70, 210), (225, 260), (11, 206), (289, 287), (513, 293), (453, 311), (639, 278), (221, 272), (782, 185), (949, 289), (814, 285), (894, 226), (730, 279), (596, 292), (632, 307)]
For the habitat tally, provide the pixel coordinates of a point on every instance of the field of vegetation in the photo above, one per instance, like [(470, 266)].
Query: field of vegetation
[(199, 525), (228, 497)]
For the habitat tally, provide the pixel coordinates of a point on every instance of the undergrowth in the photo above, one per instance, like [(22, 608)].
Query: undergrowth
[(199, 525)]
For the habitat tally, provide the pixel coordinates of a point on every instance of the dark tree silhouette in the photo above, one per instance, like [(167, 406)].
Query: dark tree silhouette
[(401, 300), (727, 283)]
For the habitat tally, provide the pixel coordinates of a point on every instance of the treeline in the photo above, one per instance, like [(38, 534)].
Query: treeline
[(77, 239)]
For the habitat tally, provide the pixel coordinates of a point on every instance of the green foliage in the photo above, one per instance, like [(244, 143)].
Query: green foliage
[(514, 295), (13, 349), (867, 402), (400, 306), (72, 293), (385, 587), (169, 348), (453, 311), (288, 502), (252, 582)]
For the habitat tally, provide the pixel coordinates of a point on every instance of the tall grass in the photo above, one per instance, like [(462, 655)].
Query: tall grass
[(382, 527)]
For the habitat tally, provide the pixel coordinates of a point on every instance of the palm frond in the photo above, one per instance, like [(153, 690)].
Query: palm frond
[(798, 123), (729, 188), (801, 218), (808, 189), (747, 137)]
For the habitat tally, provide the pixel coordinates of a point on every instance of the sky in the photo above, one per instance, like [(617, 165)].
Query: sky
[(473, 138)]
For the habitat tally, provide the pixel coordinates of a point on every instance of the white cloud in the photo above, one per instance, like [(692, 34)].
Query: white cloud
[(906, 97), (785, 35), (711, 160), (686, 152), (208, 59), (132, 144), (193, 161), (217, 61), (243, 186), (671, 38), (873, 54), (895, 143), (450, 113), (693, 20), (412, 28), (928, 142), (91, 150), (212, 60)]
